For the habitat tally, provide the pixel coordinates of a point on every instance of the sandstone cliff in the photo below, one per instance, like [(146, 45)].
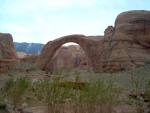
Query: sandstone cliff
[(130, 41), (7, 48), (8, 54)]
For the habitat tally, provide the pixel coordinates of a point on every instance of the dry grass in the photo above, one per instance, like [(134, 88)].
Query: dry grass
[(78, 91)]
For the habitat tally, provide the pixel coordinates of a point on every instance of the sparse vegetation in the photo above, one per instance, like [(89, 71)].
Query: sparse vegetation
[(14, 89), (95, 95), (80, 91)]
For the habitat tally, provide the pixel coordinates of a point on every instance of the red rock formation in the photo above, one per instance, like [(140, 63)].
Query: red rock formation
[(6, 65), (123, 46), (65, 57), (69, 57), (8, 54), (90, 46), (7, 48), (130, 42)]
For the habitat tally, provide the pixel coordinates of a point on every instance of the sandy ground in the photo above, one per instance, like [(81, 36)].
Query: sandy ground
[(117, 109)]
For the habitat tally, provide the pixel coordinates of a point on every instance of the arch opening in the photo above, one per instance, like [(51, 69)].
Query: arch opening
[(69, 56), (45, 60)]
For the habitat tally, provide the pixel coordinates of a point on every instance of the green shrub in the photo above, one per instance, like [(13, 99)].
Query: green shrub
[(15, 88)]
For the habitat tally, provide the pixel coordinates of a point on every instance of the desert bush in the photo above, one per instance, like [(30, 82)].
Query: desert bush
[(15, 88), (137, 82), (97, 95), (57, 95), (51, 93), (140, 86), (39, 88), (101, 96)]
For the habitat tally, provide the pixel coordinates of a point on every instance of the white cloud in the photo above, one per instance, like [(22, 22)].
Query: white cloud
[(23, 6), (86, 27), (14, 28), (67, 3), (22, 38), (45, 20)]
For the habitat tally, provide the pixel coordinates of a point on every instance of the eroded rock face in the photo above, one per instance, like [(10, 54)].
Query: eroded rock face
[(8, 54), (69, 57), (123, 46), (7, 48), (108, 33), (6, 65), (130, 42)]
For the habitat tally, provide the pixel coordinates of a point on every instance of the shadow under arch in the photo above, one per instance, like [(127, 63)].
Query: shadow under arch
[(44, 61)]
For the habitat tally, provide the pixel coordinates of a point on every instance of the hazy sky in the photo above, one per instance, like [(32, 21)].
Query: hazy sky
[(43, 20)]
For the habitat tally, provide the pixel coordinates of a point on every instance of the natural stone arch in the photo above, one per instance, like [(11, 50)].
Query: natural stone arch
[(45, 59), (123, 46)]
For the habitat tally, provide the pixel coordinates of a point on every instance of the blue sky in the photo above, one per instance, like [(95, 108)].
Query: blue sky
[(43, 20)]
